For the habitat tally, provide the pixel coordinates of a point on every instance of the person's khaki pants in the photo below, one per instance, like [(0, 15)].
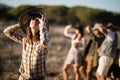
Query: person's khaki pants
[(86, 69)]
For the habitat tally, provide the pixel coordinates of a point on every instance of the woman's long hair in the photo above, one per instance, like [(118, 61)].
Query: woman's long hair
[(80, 28), (29, 37)]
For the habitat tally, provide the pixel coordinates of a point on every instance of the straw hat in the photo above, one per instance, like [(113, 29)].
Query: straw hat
[(28, 15)]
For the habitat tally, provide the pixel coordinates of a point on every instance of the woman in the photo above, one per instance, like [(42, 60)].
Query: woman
[(75, 53), (35, 43)]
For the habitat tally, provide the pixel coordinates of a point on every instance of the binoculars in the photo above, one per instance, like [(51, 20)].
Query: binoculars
[(35, 15)]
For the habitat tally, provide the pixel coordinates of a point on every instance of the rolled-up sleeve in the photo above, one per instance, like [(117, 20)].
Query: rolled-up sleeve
[(67, 33), (44, 36), (12, 33)]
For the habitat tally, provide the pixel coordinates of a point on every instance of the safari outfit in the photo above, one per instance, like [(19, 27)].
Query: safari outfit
[(33, 54), (107, 53), (91, 55), (75, 53)]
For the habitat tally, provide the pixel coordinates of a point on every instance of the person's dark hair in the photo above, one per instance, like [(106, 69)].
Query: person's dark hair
[(80, 27)]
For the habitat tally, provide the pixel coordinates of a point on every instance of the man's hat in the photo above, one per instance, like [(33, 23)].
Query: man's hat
[(29, 14), (111, 26)]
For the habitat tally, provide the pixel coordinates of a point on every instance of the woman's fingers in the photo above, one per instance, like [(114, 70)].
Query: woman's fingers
[(41, 19)]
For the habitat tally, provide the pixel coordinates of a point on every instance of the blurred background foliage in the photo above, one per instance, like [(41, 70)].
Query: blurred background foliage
[(63, 15)]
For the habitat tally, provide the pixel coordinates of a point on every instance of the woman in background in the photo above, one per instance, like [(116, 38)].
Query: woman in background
[(74, 56)]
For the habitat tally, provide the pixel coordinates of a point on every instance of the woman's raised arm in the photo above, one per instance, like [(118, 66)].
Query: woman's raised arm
[(12, 32), (67, 33), (44, 36)]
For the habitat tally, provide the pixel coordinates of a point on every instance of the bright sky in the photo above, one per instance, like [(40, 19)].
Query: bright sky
[(109, 5)]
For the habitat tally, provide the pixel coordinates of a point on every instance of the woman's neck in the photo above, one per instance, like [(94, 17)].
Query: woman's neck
[(78, 36), (34, 36)]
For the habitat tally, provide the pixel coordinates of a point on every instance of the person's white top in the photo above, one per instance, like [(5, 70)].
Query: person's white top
[(77, 46)]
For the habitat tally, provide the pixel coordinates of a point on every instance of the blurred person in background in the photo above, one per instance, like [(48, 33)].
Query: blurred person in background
[(94, 41), (107, 51), (74, 56), (114, 71), (35, 43)]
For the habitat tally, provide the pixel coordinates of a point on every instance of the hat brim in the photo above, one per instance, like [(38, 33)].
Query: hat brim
[(111, 26), (26, 17)]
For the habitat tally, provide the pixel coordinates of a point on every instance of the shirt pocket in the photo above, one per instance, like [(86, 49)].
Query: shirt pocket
[(38, 52)]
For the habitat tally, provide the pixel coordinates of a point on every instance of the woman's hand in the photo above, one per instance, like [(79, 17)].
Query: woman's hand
[(42, 18), (41, 21), (87, 29), (100, 28), (98, 50)]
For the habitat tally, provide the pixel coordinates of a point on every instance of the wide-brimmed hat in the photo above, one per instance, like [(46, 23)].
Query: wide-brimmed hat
[(111, 26), (29, 14)]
